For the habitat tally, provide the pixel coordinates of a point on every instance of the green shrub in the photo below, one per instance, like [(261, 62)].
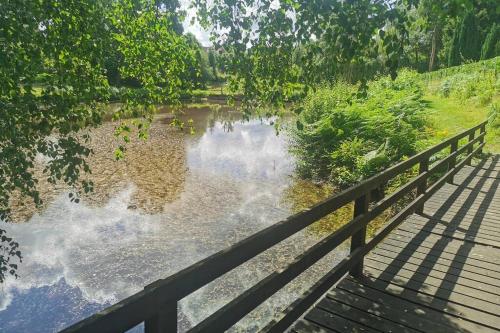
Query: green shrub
[(485, 66), (493, 116), (480, 85), (343, 138), (485, 97), (445, 90)]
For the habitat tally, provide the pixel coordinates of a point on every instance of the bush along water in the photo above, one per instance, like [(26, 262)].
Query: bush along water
[(343, 137)]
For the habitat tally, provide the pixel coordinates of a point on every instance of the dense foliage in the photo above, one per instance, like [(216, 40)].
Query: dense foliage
[(436, 27), (470, 47), (477, 81), (53, 80), (275, 43), (491, 46), (343, 137), (454, 57), (9, 251)]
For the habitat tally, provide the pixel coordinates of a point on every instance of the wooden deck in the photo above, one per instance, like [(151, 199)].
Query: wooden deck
[(437, 272)]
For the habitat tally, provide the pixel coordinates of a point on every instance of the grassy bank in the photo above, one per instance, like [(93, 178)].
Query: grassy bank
[(460, 97), (449, 116)]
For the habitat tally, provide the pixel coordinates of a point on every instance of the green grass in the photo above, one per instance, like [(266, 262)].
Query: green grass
[(461, 97), (450, 116), (219, 89)]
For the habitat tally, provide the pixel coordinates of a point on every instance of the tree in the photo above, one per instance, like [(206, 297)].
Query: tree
[(469, 39), (438, 21), (437, 15), (199, 70), (419, 41), (212, 61), (53, 83), (491, 45), (454, 53), (177, 16), (261, 35)]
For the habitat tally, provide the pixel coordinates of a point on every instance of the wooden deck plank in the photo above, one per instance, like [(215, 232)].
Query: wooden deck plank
[(427, 279), (440, 271), (457, 313), (427, 284), (469, 224), (385, 309), (362, 317), (421, 316), (464, 208), (306, 326), (453, 231), (473, 273), (489, 172), (335, 322), (474, 230), (437, 272), (450, 246), (457, 310)]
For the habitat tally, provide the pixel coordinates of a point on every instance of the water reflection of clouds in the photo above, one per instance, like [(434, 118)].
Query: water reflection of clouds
[(251, 150), (79, 257), (98, 255), (71, 253)]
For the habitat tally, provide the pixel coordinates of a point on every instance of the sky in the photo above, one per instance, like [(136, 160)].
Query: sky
[(201, 34)]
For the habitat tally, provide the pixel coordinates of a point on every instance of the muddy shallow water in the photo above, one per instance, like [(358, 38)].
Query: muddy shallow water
[(174, 200)]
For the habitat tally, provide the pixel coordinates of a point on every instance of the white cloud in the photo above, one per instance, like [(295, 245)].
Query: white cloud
[(202, 35)]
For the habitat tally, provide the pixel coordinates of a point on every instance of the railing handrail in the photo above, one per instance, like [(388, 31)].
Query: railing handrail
[(159, 299)]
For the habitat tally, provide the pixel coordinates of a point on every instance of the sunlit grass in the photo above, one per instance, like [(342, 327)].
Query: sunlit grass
[(449, 116)]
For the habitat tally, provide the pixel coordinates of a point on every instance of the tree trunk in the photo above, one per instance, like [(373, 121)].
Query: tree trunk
[(434, 46)]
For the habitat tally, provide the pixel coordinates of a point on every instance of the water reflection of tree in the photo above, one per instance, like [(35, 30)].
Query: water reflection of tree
[(303, 194), (225, 117)]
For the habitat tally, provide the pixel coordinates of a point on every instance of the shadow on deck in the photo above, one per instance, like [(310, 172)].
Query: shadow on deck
[(439, 271)]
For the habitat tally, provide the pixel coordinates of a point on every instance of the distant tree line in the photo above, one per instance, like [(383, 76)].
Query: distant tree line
[(450, 33)]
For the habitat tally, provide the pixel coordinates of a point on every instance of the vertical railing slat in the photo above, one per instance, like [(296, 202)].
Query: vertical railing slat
[(481, 141), (472, 135), (165, 320), (453, 160), (422, 187), (361, 206)]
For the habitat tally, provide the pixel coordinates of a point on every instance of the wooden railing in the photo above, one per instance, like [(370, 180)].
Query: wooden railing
[(156, 305)]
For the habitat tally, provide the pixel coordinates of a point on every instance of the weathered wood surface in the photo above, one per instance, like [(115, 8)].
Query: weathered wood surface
[(439, 271)]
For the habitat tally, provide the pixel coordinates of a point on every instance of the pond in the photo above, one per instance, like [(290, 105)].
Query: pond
[(174, 200)]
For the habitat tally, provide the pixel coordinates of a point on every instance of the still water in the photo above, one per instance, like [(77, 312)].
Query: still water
[(174, 200)]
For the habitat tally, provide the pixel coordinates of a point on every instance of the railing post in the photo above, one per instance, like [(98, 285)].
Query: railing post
[(471, 147), (422, 187), (165, 320), (453, 160), (481, 141), (358, 240)]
